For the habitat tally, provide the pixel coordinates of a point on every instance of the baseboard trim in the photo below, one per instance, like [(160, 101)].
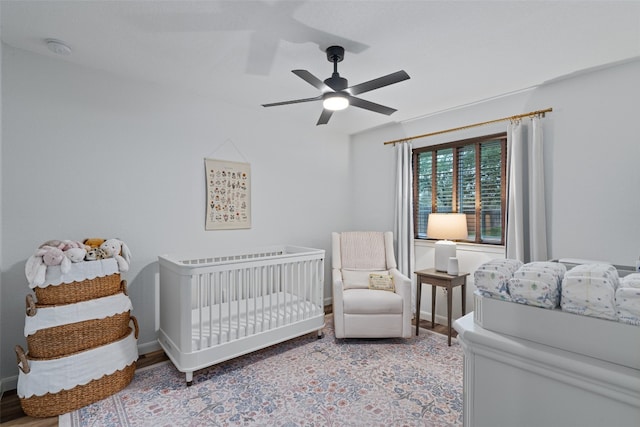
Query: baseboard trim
[(149, 347), (9, 383), (440, 320)]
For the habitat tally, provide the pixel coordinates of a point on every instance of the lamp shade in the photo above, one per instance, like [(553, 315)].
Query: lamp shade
[(449, 226)]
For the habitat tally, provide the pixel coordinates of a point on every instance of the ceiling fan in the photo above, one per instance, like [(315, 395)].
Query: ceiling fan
[(336, 92)]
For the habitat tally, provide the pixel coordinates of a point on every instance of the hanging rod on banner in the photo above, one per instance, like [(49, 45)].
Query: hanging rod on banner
[(516, 117)]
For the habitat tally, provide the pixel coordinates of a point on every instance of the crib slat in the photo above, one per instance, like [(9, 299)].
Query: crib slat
[(210, 291), (229, 300), (278, 288), (220, 302), (245, 280), (298, 300), (199, 299), (263, 280)]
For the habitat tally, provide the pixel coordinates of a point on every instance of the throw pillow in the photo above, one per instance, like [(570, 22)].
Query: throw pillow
[(381, 282)]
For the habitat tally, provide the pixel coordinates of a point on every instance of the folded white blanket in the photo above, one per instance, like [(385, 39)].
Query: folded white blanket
[(510, 264), (589, 296), (628, 305), (98, 308), (79, 271), (555, 268), (630, 281), (606, 271), (538, 288), (493, 280), (65, 373)]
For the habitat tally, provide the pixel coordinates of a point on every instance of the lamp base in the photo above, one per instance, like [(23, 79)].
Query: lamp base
[(444, 250)]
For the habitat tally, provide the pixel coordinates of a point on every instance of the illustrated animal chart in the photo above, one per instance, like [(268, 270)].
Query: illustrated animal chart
[(228, 194)]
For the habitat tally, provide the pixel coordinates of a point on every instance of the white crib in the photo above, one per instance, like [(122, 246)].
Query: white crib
[(221, 306)]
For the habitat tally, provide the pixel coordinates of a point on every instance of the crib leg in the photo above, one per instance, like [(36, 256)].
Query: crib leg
[(320, 333), (189, 377)]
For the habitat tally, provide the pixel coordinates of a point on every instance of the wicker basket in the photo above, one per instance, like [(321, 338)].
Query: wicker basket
[(52, 404), (72, 337), (68, 293), (32, 305)]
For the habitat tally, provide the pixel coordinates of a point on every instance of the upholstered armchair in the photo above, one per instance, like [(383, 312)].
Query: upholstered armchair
[(358, 310)]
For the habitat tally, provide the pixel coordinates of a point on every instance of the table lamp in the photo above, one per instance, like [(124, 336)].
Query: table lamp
[(446, 226)]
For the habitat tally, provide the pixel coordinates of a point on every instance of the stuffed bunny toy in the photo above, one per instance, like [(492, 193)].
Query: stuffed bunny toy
[(36, 266), (76, 254), (53, 243), (73, 244), (120, 251)]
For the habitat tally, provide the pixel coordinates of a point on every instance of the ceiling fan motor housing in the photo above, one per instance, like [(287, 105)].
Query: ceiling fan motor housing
[(336, 82), (335, 53)]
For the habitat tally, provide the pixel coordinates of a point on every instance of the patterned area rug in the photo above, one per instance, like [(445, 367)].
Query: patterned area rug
[(302, 382)]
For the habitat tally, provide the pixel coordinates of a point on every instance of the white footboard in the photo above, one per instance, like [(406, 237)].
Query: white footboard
[(218, 307)]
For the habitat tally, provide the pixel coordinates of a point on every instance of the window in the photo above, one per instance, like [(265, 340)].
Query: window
[(468, 177)]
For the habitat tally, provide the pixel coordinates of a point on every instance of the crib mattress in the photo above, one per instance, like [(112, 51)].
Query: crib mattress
[(219, 323)]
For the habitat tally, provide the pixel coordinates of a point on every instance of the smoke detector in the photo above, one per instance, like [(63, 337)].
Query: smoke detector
[(58, 47)]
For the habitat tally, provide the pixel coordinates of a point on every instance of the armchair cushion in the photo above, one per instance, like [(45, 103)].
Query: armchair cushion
[(358, 279), (366, 301)]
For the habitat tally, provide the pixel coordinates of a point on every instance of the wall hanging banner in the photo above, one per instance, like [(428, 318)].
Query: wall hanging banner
[(228, 195)]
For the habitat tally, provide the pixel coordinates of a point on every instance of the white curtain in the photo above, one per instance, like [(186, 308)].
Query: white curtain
[(403, 222), (537, 207), (526, 231), (515, 194)]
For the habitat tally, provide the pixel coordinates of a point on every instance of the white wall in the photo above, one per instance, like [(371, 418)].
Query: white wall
[(593, 150), (88, 154), (592, 174), (1, 218)]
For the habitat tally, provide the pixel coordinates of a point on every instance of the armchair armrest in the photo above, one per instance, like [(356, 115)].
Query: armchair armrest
[(338, 304), (337, 287), (403, 288), (402, 282)]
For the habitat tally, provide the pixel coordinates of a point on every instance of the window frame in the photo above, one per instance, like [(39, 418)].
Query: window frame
[(456, 145)]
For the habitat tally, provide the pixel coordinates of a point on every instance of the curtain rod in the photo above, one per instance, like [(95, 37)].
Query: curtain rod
[(519, 116)]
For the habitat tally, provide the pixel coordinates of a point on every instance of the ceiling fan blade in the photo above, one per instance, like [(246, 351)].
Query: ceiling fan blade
[(324, 117), (311, 79), (372, 106), (295, 101), (387, 80)]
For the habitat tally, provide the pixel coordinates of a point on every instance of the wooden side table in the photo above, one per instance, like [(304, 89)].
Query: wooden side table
[(439, 278)]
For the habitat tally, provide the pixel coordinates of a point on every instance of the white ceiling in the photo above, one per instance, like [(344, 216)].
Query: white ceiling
[(242, 52)]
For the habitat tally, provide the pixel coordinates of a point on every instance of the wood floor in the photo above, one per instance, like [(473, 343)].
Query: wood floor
[(11, 413)]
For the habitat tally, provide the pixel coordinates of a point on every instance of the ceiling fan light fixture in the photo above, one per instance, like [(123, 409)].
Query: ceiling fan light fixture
[(335, 101)]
